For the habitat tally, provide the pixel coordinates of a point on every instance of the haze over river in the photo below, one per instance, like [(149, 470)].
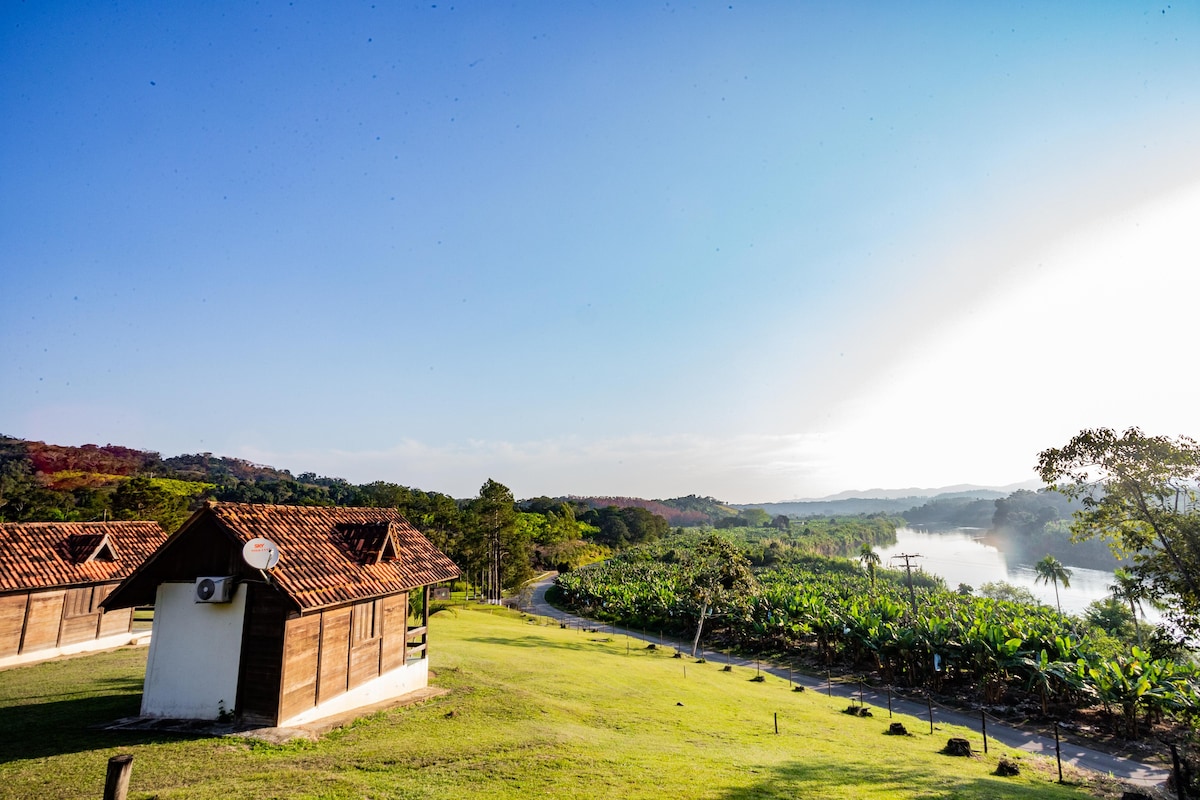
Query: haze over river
[(960, 556)]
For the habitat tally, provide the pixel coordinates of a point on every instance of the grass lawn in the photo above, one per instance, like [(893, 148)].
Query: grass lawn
[(534, 711)]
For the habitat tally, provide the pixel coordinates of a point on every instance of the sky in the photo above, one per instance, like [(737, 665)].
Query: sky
[(755, 251)]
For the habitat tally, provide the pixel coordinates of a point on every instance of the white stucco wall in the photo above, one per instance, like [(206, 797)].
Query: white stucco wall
[(402, 680), (192, 667)]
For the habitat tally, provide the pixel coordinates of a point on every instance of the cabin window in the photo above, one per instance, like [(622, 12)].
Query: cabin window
[(365, 622), (79, 603)]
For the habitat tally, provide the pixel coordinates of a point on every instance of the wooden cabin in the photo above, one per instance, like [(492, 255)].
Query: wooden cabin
[(53, 577), (338, 623)]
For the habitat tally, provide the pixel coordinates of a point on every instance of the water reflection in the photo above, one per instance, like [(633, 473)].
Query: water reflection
[(959, 556)]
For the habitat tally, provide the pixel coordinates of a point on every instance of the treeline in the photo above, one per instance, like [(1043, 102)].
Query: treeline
[(490, 537)]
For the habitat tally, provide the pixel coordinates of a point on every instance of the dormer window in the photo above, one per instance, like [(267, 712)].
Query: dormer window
[(85, 547), (371, 542)]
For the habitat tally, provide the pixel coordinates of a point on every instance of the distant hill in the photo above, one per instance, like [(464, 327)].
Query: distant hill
[(887, 501), (48, 481), (686, 512), (957, 490)]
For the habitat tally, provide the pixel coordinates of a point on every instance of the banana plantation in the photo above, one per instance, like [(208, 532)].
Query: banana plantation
[(836, 614)]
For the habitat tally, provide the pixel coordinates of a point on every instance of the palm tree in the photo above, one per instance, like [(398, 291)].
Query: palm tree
[(1051, 570), (1128, 587), (869, 559)]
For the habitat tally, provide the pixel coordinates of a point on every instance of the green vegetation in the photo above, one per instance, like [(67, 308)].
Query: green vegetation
[(1139, 494), (830, 614), (533, 710)]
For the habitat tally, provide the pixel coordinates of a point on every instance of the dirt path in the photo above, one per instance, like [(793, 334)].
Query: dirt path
[(1032, 741)]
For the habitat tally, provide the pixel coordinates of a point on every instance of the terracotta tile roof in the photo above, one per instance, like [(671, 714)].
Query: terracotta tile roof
[(329, 556), (41, 555)]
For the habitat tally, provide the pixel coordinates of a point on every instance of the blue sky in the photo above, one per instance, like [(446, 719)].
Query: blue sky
[(755, 251)]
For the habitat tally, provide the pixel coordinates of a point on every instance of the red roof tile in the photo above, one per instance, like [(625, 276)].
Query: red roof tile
[(329, 556), (41, 555)]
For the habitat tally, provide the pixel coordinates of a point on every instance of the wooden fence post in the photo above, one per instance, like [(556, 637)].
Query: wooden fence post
[(1058, 752), (116, 782)]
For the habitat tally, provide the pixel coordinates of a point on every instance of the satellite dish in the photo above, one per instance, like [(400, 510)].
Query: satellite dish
[(260, 553)]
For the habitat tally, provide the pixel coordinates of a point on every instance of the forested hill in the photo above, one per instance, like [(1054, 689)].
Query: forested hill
[(686, 512), (871, 505), (40, 481)]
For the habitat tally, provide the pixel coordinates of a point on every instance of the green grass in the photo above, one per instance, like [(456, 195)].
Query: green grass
[(533, 711)]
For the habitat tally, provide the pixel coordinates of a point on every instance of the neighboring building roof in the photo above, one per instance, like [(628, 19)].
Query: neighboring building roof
[(327, 555), (43, 555)]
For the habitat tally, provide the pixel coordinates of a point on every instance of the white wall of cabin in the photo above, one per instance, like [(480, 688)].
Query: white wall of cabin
[(192, 667), (399, 681)]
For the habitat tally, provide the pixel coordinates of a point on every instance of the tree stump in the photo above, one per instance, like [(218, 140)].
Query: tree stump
[(958, 747), (1007, 769), (1135, 796), (897, 729)]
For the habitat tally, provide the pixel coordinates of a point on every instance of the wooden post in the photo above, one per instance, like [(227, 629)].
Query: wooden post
[(1058, 751), (983, 728), (1180, 785), (777, 722), (929, 702), (889, 701), (116, 782), (828, 683)]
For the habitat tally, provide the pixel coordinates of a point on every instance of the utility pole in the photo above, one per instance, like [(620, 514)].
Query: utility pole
[(912, 595)]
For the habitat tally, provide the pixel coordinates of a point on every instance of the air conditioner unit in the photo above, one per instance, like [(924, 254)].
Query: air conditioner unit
[(215, 590)]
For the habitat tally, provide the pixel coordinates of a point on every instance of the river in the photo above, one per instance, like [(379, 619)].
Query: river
[(960, 556)]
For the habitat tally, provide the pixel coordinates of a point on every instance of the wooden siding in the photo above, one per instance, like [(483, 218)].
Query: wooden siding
[(43, 621), (301, 648), (335, 654), (365, 641), (395, 624), (113, 622), (32, 621), (206, 549), (260, 672), (12, 622), (78, 629)]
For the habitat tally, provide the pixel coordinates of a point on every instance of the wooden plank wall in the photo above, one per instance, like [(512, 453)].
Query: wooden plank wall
[(335, 653), (395, 629), (12, 622), (328, 653), (117, 621), (43, 620), (301, 648), (80, 619), (260, 673)]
